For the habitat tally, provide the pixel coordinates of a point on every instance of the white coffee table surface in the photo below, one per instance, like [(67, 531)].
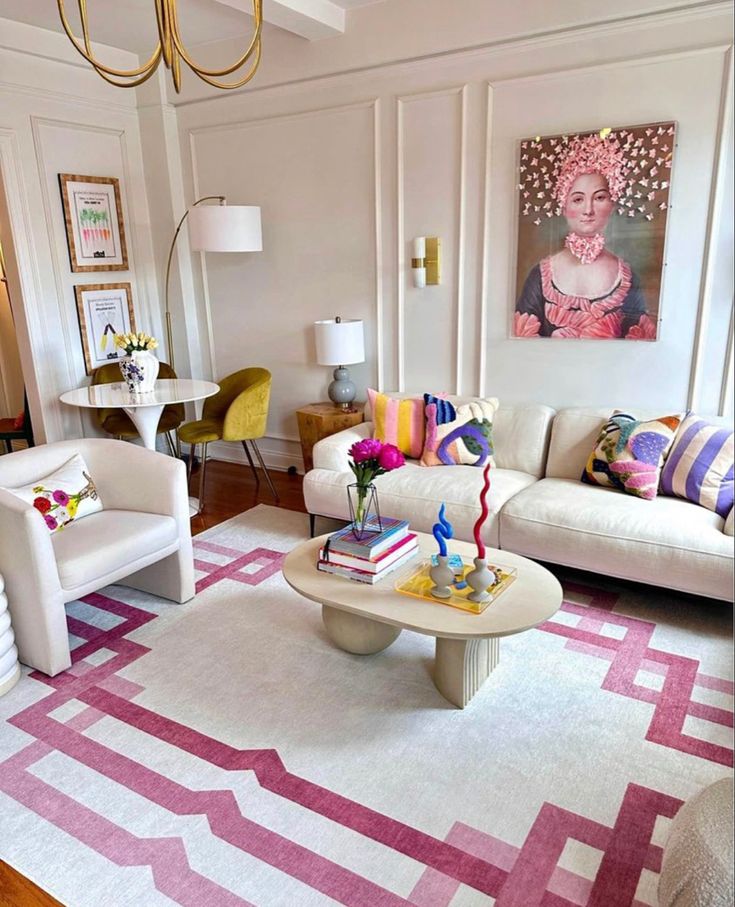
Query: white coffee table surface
[(533, 597)]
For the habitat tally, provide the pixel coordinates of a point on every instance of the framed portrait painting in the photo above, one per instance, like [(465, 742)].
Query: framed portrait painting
[(104, 310), (95, 231), (592, 212)]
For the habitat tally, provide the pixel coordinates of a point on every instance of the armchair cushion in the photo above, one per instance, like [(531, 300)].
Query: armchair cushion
[(64, 496), (93, 549)]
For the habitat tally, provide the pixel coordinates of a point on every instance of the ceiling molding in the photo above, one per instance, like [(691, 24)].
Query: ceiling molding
[(310, 19)]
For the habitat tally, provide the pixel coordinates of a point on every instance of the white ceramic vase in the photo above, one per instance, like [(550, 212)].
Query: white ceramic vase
[(140, 370)]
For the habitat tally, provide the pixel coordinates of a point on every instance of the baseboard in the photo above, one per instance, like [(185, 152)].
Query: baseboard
[(279, 455)]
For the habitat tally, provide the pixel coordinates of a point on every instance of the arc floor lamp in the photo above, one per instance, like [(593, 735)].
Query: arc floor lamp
[(214, 228)]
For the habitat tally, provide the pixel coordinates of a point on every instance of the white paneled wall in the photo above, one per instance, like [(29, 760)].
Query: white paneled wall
[(350, 168), (56, 116), (349, 165)]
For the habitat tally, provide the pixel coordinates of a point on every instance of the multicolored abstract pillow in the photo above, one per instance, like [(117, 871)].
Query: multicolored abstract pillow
[(460, 434), (700, 465), (65, 495), (629, 453), (398, 422)]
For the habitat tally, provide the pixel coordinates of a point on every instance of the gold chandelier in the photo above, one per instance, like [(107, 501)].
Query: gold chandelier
[(170, 49)]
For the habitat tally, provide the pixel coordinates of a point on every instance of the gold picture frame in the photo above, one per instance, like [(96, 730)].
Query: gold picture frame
[(95, 232), (103, 310)]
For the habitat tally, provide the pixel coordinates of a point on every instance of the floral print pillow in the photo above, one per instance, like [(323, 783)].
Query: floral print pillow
[(63, 496), (629, 454)]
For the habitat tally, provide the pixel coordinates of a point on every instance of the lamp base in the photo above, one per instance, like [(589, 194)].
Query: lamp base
[(342, 391)]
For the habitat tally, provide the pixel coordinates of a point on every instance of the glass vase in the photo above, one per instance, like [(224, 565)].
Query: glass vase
[(364, 510)]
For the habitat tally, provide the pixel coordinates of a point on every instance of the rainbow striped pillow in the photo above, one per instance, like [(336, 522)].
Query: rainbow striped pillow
[(399, 422), (700, 465)]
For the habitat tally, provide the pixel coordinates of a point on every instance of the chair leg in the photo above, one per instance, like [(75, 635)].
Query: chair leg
[(170, 444), (202, 476), (8, 445), (190, 463), (312, 525), (178, 446), (266, 473), (250, 461)]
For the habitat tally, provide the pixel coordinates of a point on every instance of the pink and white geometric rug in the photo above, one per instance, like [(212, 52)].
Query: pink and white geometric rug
[(224, 752)]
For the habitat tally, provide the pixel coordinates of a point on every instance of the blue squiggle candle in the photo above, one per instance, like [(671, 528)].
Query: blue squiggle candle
[(442, 531)]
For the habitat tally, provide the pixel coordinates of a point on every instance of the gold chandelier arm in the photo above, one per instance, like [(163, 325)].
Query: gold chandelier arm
[(100, 67), (216, 73), (164, 18), (132, 84), (229, 85)]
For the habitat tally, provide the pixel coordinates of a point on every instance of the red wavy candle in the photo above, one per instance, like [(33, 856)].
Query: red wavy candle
[(483, 512)]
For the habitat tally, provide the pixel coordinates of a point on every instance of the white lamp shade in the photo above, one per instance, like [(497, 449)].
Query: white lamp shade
[(225, 228), (339, 342)]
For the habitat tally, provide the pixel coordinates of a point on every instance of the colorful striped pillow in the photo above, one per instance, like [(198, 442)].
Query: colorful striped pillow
[(700, 465), (399, 422)]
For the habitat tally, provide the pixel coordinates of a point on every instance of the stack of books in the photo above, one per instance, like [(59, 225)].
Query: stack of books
[(367, 560)]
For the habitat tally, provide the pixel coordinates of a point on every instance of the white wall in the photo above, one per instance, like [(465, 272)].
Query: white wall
[(349, 167), (57, 116), (11, 373), (406, 125)]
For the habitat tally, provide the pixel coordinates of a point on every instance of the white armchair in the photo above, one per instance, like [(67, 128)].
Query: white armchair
[(142, 539)]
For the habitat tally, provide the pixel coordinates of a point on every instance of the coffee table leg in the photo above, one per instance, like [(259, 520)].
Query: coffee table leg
[(356, 634), (463, 665)]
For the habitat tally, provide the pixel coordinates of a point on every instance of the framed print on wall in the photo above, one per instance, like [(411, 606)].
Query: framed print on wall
[(95, 231), (103, 309), (592, 219)]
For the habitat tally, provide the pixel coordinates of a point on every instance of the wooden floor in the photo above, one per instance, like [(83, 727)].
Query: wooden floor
[(230, 489)]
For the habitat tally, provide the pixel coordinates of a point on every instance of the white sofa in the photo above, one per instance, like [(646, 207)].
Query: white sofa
[(540, 508), (142, 539)]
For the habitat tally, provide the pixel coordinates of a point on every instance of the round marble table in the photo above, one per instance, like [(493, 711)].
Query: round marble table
[(144, 409)]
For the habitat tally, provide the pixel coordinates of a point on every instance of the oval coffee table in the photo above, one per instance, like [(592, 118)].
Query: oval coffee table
[(366, 619)]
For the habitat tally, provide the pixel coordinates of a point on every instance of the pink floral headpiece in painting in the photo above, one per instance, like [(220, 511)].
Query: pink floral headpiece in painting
[(591, 154), (635, 161)]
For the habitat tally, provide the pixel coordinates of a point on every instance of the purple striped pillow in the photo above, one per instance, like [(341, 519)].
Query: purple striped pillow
[(700, 465)]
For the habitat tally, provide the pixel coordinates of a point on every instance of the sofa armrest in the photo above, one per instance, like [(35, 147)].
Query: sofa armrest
[(332, 452), (728, 527)]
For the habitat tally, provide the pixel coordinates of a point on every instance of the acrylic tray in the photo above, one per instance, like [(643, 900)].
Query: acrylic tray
[(418, 584)]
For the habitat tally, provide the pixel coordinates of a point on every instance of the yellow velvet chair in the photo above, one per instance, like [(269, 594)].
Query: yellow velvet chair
[(115, 422), (237, 412)]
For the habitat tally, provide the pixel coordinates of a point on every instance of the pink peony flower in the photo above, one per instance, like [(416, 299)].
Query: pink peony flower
[(367, 449), (50, 522), (61, 497), (390, 457)]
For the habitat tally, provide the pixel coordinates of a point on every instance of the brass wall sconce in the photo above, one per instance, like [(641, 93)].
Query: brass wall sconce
[(426, 261)]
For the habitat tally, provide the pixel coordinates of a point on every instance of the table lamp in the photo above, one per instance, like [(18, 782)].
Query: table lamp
[(215, 228), (340, 342)]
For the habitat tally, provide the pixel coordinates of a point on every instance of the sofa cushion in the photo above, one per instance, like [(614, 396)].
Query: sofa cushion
[(415, 494), (460, 434), (400, 422), (629, 453), (520, 434), (108, 542), (573, 435), (700, 465), (566, 522), (63, 496)]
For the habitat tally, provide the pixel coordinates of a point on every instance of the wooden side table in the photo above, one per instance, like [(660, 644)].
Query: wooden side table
[(320, 420)]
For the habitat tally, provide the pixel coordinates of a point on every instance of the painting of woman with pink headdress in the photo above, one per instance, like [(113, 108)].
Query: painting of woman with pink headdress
[(591, 233)]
